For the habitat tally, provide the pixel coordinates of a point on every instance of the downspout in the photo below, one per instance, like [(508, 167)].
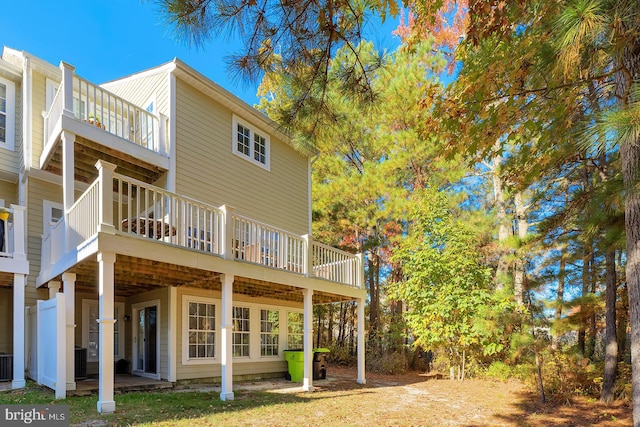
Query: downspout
[(171, 134), (26, 131)]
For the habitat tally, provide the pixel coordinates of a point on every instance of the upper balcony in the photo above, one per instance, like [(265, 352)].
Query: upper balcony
[(120, 205), (13, 258), (104, 126)]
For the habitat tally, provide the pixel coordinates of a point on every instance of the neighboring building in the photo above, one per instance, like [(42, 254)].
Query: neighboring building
[(167, 230)]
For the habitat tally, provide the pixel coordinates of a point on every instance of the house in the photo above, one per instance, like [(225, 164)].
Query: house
[(167, 232)]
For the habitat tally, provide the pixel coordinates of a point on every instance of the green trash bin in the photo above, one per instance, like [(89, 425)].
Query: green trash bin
[(295, 362)]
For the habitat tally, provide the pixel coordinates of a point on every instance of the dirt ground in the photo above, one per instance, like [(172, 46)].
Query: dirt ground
[(418, 399)]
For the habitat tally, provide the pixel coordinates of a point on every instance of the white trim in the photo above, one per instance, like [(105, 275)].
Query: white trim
[(186, 360), (47, 217), (51, 88), (86, 303), (134, 335), (253, 131), (10, 113)]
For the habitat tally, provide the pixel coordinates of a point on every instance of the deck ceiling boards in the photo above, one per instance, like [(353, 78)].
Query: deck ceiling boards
[(137, 275), (6, 280), (87, 153)]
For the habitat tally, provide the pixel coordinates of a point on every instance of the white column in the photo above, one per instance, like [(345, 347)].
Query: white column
[(67, 85), (106, 293), (54, 288), (361, 352), (69, 280), (226, 333), (173, 333), (68, 183), (226, 240), (307, 382), (19, 282), (18, 232), (105, 211)]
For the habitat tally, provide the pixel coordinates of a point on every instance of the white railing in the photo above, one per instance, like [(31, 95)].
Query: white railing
[(125, 205), (335, 265), (83, 215), (99, 107), (263, 244), (53, 244), (154, 213), (107, 111)]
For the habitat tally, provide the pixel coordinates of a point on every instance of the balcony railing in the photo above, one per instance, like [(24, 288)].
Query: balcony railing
[(129, 206), (98, 107), (12, 242)]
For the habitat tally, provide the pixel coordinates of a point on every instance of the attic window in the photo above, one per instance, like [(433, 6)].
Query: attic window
[(250, 143)]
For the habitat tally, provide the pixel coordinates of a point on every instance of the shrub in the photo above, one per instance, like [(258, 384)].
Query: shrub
[(393, 363)]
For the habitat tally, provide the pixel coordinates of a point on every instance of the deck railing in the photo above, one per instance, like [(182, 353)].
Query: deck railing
[(263, 244), (98, 107), (128, 206)]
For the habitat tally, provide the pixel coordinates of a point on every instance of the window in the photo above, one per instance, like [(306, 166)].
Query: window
[(269, 321), (295, 322), (7, 113), (240, 342), (250, 143), (51, 213), (202, 321), (91, 330)]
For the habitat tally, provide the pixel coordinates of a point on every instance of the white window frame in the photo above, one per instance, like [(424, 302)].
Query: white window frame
[(289, 333), (247, 333), (271, 334), (253, 131), (10, 115), (47, 214), (119, 316), (186, 360)]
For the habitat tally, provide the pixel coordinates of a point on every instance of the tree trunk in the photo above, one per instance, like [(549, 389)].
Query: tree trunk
[(519, 270), (501, 217), (630, 159), (374, 295), (593, 332), (555, 342), (611, 345), (586, 256), (330, 325), (623, 322)]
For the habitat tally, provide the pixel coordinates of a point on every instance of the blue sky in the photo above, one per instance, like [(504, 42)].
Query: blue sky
[(109, 39)]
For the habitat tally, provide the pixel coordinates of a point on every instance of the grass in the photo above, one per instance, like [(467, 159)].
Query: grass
[(401, 400)]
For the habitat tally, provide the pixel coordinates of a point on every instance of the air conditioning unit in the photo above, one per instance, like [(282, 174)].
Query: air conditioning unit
[(6, 367)]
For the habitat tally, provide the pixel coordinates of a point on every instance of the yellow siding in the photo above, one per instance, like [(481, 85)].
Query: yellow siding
[(6, 321), (8, 192), (38, 104), (37, 192), (139, 90), (207, 169)]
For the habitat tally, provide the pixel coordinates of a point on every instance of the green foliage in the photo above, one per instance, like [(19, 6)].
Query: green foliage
[(447, 288), (387, 363)]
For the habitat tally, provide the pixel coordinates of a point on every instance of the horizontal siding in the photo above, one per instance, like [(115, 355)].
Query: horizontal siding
[(8, 192), (37, 192), (207, 169), (254, 365), (6, 321), (38, 104), (140, 90)]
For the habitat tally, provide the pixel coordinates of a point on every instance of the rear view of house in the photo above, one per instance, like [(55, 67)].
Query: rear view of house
[(162, 227)]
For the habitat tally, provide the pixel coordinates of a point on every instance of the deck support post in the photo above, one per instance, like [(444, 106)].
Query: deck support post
[(361, 352), (106, 261), (19, 282), (68, 184), (226, 332), (69, 281), (307, 339)]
